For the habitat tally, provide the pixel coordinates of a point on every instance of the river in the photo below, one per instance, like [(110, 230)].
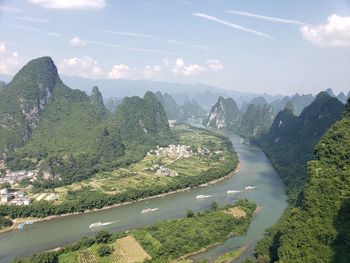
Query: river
[(255, 170)]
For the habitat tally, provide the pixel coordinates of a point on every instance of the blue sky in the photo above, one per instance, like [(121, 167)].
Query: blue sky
[(257, 45)]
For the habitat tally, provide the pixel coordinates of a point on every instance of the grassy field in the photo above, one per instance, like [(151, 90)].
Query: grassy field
[(125, 250), (142, 174)]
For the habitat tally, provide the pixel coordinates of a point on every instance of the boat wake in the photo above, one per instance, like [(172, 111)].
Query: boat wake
[(99, 224), (233, 191), (148, 210), (202, 196)]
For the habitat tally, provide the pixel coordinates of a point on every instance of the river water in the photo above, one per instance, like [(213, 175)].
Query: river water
[(255, 170)]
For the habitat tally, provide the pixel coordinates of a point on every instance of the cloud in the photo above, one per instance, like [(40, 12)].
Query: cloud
[(267, 18), (32, 19), (104, 44), (165, 40), (36, 30), (235, 26), (335, 33), (85, 67), (120, 71), (9, 61), (151, 72), (6, 8), (77, 42), (70, 4), (180, 68), (215, 64)]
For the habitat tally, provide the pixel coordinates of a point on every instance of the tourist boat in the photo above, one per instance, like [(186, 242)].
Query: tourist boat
[(233, 191), (202, 196), (21, 225), (249, 187), (149, 210)]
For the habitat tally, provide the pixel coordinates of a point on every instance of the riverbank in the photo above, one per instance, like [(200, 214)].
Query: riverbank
[(17, 221)]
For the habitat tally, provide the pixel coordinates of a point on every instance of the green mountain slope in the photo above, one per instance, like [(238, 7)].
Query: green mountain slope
[(224, 115), (23, 100), (191, 109), (142, 122), (256, 120), (171, 107), (68, 134), (318, 228), (290, 145), (290, 141)]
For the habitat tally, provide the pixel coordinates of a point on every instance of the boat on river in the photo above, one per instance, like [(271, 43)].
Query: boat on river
[(202, 196), (144, 211), (21, 225), (233, 191), (98, 224), (249, 187)]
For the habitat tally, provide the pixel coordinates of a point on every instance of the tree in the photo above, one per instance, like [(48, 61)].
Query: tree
[(104, 250), (102, 237), (214, 206), (190, 213)]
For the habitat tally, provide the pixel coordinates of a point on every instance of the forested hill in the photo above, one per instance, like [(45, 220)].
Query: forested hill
[(291, 140), (318, 227), (46, 125), (224, 115), (23, 100)]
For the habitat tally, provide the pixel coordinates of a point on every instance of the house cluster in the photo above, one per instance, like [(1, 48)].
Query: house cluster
[(14, 177), (172, 123), (203, 151), (164, 171), (14, 197), (172, 150)]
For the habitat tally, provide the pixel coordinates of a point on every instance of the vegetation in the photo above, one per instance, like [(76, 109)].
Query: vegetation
[(104, 250), (256, 120), (224, 114), (138, 180), (169, 240), (159, 242), (315, 228), (5, 222), (291, 140)]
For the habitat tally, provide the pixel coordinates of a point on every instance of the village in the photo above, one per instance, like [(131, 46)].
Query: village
[(11, 196), (177, 152)]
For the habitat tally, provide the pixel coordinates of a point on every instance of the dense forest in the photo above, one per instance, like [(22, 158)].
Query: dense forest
[(315, 227)]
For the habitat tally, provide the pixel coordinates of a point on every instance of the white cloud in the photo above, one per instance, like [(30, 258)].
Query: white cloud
[(120, 71), (32, 19), (180, 68), (235, 26), (215, 64), (146, 50), (6, 8), (70, 4), (155, 38), (9, 61), (151, 72), (36, 30), (335, 33), (77, 42), (85, 67), (267, 18)]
